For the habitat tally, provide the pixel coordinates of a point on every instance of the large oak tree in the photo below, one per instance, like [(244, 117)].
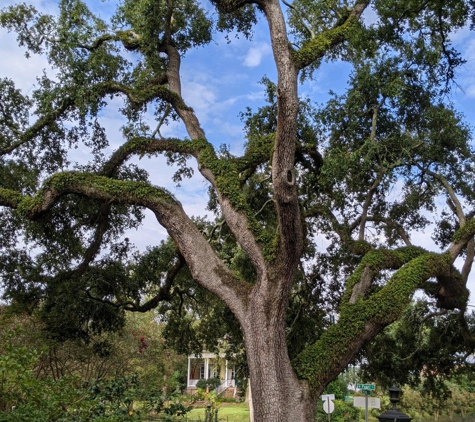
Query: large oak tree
[(365, 171)]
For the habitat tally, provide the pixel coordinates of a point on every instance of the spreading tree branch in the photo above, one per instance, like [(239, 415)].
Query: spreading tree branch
[(363, 319), (317, 47), (137, 97), (206, 268), (163, 294)]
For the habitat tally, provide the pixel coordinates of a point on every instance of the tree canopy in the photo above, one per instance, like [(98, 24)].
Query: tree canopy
[(364, 171)]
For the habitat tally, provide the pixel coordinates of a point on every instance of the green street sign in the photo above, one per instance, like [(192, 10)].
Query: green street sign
[(366, 386)]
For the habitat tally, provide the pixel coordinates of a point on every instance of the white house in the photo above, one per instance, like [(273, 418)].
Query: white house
[(209, 365)]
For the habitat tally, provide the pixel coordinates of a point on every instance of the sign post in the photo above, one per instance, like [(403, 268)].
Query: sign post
[(366, 389), (328, 405), (366, 408)]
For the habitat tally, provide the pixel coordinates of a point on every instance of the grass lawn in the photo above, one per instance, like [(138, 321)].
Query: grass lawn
[(232, 412)]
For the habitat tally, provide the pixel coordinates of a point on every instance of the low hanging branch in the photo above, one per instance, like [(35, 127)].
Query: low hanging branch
[(207, 269), (164, 292)]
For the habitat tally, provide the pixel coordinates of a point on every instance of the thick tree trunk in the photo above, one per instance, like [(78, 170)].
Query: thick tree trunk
[(277, 394)]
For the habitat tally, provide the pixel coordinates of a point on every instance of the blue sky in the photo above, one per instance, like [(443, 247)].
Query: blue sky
[(219, 81)]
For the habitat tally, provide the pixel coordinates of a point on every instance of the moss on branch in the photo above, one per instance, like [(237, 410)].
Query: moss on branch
[(259, 150), (388, 304), (360, 321), (466, 232), (141, 145), (225, 171), (31, 206), (229, 185), (140, 96), (10, 198), (376, 261), (318, 46), (93, 186)]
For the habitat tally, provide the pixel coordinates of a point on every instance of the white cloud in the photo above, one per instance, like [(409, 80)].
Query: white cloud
[(199, 96), (256, 54), (150, 233), (470, 88), (16, 66), (195, 204), (229, 130), (255, 95)]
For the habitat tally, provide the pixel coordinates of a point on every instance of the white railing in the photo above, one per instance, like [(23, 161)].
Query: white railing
[(219, 389), (223, 386)]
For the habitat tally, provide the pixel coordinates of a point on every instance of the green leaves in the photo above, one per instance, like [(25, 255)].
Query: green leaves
[(392, 128), (16, 364), (153, 21), (34, 31), (425, 347)]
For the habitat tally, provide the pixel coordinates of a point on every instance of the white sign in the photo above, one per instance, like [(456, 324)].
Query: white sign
[(373, 402), (328, 406)]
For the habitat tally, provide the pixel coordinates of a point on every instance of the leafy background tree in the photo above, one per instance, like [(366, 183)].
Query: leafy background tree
[(424, 348), (108, 377)]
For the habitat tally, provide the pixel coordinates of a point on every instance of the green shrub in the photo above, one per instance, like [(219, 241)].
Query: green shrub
[(212, 383), (30, 395), (344, 412), (26, 398)]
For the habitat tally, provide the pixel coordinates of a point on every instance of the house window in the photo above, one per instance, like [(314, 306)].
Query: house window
[(197, 369)]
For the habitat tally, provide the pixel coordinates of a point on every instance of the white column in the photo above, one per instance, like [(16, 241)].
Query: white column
[(189, 372), (206, 368), (226, 373), (249, 398)]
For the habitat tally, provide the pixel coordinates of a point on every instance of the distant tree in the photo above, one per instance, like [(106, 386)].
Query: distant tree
[(363, 171), (138, 349), (455, 406), (425, 348)]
